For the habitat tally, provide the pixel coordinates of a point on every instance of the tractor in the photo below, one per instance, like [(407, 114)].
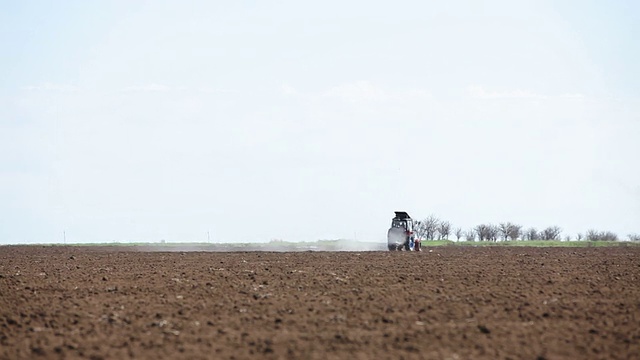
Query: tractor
[(400, 235)]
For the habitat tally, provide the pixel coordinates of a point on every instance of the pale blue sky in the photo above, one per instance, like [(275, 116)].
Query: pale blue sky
[(149, 120)]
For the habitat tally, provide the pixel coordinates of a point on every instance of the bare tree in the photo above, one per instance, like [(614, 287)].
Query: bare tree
[(503, 229), (487, 232), (551, 233), (634, 237), (492, 233), (470, 235), (594, 235), (419, 229), (531, 234), (509, 230), (431, 227), (444, 229), (579, 236), (514, 231), (567, 238), (481, 231), (458, 233)]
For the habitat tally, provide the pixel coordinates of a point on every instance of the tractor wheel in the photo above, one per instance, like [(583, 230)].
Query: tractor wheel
[(392, 247)]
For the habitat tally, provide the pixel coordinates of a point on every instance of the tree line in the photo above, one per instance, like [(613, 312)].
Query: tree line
[(433, 228)]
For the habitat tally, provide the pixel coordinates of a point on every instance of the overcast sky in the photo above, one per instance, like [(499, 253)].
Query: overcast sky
[(259, 120)]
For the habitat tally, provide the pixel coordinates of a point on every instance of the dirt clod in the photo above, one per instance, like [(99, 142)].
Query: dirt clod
[(483, 329)]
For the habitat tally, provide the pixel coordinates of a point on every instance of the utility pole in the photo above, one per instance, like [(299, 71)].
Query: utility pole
[(208, 237), (64, 236)]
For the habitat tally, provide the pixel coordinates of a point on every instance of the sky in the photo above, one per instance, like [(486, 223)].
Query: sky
[(249, 121)]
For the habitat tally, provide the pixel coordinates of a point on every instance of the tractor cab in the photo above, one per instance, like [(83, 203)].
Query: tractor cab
[(402, 220)]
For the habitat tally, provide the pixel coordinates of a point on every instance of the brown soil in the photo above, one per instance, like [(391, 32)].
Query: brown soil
[(452, 303)]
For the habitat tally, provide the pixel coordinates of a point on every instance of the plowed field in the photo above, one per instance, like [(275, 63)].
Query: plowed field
[(451, 303)]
